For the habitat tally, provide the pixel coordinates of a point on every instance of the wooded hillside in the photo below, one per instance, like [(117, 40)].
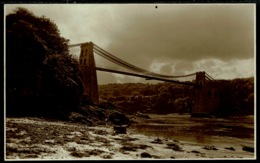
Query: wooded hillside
[(41, 76), (236, 97)]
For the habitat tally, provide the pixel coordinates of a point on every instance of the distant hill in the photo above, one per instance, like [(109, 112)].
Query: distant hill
[(237, 97)]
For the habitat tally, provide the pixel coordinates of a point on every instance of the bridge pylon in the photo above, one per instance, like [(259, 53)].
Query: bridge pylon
[(200, 78), (87, 67), (205, 96)]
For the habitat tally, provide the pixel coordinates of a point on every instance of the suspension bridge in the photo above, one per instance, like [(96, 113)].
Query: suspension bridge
[(205, 94)]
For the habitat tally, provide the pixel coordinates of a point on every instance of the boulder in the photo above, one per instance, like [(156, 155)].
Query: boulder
[(120, 129), (248, 149), (119, 119), (210, 148), (145, 155), (77, 117)]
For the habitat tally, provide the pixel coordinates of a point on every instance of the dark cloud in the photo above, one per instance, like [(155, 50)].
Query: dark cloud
[(174, 39), (187, 33)]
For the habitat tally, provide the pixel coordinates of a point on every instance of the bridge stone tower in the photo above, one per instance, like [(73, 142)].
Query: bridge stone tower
[(206, 97), (200, 78), (87, 69)]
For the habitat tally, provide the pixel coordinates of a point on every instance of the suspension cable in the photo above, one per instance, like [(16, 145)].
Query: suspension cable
[(119, 61), (209, 76), (103, 53), (139, 69), (116, 62), (209, 79), (145, 76)]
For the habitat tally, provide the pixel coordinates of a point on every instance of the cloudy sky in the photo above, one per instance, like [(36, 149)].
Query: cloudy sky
[(171, 39)]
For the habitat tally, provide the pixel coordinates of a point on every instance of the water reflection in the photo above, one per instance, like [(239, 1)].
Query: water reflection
[(199, 130)]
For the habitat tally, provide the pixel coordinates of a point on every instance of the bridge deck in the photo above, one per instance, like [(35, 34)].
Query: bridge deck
[(144, 76)]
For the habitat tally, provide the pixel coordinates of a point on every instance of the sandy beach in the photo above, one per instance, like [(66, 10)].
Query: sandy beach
[(39, 139)]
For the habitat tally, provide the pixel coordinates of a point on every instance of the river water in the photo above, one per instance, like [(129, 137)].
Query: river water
[(233, 131)]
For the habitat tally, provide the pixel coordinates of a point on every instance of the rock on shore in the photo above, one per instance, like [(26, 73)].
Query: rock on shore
[(35, 138)]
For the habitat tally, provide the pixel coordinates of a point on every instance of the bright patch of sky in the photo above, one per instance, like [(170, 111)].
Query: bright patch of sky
[(173, 39)]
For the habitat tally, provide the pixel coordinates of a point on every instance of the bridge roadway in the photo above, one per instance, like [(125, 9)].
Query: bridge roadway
[(147, 77)]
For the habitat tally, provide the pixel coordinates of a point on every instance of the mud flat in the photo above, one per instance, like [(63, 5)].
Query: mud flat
[(38, 139), (233, 131)]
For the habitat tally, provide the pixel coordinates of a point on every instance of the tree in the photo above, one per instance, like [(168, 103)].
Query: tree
[(41, 76)]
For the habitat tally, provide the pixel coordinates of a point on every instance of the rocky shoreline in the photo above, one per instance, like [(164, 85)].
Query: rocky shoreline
[(39, 139)]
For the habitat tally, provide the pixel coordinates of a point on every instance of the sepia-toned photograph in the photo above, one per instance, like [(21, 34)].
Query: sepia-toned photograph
[(130, 81)]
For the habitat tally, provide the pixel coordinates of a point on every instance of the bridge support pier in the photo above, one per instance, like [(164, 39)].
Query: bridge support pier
[(87, 69), (206, 97)]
